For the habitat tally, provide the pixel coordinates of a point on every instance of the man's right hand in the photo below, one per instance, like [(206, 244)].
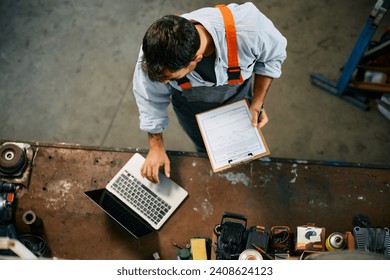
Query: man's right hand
[(157, 158)]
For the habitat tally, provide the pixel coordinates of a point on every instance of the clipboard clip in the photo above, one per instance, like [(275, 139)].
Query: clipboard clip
[(240, 159)]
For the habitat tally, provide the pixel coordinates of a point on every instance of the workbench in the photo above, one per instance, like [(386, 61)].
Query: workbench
[(270, 192)]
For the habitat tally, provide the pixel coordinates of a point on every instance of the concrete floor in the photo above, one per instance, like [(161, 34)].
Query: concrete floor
[(66, 76)]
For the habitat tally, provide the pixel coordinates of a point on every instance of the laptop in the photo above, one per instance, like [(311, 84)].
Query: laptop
[(137, 204)]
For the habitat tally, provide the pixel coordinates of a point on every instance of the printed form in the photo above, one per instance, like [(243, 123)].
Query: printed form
[(229, 136)]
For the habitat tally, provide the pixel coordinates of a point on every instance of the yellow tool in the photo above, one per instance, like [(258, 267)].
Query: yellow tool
[(198, 249)]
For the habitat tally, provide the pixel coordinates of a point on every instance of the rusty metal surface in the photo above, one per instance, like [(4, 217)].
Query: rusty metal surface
[(269, 193)]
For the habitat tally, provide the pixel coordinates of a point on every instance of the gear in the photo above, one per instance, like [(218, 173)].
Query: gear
[(12, 159)]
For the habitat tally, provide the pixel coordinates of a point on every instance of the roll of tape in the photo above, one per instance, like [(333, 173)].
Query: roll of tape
[(335, 241), (250, 254)]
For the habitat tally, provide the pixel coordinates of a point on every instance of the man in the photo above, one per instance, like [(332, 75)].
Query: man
[(199, 61)]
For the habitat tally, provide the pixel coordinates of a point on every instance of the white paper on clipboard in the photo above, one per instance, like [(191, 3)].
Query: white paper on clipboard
[(229, 136)]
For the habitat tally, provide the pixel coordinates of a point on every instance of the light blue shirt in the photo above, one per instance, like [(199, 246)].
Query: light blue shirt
[(261, 50)]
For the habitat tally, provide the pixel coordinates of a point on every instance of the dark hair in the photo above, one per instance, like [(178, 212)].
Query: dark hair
[(171, 44)]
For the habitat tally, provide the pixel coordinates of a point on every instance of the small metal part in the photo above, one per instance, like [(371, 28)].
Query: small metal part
[(31, 219), (177, 246), (156, 256), (217, 230)]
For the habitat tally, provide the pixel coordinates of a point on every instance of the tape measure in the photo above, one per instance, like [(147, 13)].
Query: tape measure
[(250, 254), (335, 241)]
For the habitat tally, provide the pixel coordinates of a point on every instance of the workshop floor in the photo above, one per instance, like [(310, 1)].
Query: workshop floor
[(66, 76)]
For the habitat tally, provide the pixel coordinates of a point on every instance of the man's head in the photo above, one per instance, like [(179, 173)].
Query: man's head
[(169, 45)]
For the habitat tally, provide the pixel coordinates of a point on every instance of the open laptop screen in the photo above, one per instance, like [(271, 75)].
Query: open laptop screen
[(122, 214)]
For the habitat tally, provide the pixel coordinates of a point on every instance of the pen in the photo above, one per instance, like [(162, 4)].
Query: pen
[(260, 112)]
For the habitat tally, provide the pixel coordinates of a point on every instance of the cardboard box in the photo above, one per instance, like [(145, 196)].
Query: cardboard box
[(310, 238)]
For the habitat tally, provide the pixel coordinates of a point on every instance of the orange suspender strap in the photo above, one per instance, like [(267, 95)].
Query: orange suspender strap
[(234, 72), (184, 83)]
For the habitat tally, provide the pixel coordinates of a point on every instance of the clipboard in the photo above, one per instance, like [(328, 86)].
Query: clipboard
[(229, 136)]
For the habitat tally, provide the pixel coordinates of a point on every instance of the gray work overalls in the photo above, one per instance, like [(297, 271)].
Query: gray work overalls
[(195, 100)]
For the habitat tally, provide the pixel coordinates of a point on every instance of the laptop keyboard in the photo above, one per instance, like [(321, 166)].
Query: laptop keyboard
[(141, 197)]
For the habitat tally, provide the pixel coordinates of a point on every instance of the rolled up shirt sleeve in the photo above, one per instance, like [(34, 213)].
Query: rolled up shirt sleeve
[(152, 99), (271, 50), (272, 55)]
